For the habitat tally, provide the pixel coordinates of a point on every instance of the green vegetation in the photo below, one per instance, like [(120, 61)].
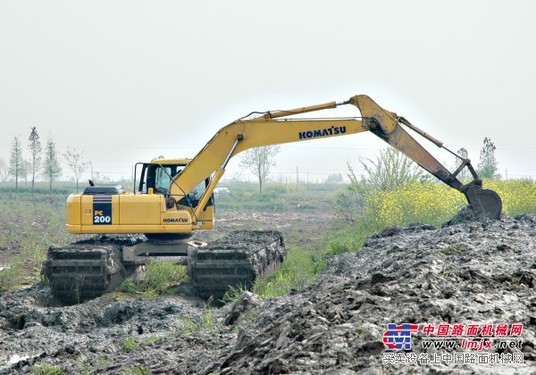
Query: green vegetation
[(296, 272), (45, 369), (159, 277), (207, 322), (129, 345), (136, 369), (232, 294), (277, 197), (29, 224), (415, 202), (455, 249), (187, 325), (152, 339), (518, 196)]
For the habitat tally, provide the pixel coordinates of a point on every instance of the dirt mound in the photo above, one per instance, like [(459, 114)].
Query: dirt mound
[(480, 273), (471, 273)]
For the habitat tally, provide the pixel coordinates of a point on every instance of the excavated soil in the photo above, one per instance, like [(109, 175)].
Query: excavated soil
[(469, 272)]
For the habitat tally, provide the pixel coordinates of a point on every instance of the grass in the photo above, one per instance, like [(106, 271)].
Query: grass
[(160, 276), (45, 369), (28, 226), (296, 272), (129, 345), (207, 322), (188, 325), (244, 196), (152, 339), (233, 294), (136, 369), (455, 249)]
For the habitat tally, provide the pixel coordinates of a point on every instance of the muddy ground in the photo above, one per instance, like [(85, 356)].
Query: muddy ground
[(479, 273)]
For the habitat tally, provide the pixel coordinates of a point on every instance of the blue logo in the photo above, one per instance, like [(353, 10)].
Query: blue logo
[(398, 336)]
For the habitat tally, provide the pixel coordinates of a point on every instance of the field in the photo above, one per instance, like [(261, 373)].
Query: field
[(317, 221), (31, 223), (331, 301)]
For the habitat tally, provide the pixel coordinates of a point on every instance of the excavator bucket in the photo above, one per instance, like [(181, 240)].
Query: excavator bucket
[(486, 203)]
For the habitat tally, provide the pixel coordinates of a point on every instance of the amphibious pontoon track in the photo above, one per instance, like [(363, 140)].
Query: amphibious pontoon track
[(89, 268), (235, 260)]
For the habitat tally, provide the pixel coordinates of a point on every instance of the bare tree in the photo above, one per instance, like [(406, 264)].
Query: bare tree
[(16, 162), (76, 163), (35, 151), (259, 160), (51, 164)]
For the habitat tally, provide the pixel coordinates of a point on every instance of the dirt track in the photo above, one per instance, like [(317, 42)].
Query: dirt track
[(481, 273)]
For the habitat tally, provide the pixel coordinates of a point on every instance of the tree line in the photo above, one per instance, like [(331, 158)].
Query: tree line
[(393, 169), (390, 170), (390, 167), (41, 162)]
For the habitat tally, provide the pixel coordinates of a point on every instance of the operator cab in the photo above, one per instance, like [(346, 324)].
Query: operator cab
[(155, 178)]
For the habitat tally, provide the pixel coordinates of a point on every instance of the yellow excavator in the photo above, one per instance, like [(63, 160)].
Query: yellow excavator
[(174, 197)]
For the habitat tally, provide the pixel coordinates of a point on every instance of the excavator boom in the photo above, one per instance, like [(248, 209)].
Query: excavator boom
[(277, 127)]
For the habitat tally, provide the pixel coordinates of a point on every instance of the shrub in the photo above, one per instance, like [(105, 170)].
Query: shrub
[(518, 196), (45, 369), (129, 345), (427, 202)]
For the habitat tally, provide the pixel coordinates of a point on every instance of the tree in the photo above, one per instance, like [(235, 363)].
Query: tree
[(334, 178), (35, 152), (259, 160), (51, 164), (24, 171), (390, 170), (387, 172), (4, 172), (76, 163), (487, 167), (464, 154), (16, 162)]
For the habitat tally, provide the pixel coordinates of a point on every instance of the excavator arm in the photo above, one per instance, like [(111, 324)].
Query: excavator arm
[(277, 128), (387, 125)]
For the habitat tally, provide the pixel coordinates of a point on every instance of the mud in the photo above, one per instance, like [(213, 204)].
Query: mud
[(464, 272)]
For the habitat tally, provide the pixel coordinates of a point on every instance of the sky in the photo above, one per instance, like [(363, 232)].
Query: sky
[(126, 81)]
